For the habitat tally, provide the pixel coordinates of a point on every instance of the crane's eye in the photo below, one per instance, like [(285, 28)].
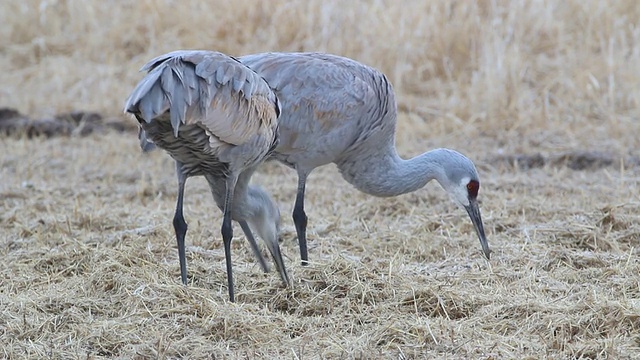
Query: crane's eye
[(473, 187)]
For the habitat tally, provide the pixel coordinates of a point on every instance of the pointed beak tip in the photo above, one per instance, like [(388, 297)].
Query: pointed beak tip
[(476, 219)]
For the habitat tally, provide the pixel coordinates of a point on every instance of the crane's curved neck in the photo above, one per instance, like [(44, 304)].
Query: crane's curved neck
[(242, 199), (385, 173)]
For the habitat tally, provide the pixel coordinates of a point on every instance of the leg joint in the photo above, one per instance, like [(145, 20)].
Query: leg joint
[(179, 225), (226, 231), (299, 216)]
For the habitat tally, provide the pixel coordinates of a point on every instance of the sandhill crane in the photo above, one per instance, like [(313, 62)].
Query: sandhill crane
[(338, 110), (216, 118), (335, 109)]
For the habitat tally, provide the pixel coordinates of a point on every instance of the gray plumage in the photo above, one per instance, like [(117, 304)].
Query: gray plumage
[(336, 110), (216, 118)]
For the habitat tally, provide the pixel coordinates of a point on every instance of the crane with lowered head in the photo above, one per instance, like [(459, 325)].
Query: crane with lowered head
[(337, 110), (218, 119)]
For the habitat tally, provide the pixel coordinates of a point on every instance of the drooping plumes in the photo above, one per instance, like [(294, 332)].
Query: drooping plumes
[(215, 117)]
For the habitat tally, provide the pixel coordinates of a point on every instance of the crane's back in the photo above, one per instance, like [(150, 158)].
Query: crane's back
[(207, 110), (332, 106)]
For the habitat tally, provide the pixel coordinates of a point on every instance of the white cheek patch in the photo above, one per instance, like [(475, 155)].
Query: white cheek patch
[(461, 192), (459, 196), (462, 197)]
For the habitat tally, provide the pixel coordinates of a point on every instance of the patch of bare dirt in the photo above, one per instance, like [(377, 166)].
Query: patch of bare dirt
[(575, 160), (77, 123)]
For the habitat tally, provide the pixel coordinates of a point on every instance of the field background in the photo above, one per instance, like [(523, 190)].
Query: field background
[(542, 95)]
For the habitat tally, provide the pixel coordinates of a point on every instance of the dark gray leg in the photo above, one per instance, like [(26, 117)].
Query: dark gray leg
[(227, 231), (300, 219), (179, 225)]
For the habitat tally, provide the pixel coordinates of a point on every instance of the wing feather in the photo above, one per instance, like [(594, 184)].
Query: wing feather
[(229, 100), (239, 81)]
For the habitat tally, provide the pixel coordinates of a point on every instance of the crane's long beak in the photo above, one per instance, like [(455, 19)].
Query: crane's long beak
[(274, 249), (474, 213)]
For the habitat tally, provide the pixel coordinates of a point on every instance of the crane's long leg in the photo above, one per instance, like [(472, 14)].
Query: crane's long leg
[(300, 218), (227, 231), (254, 245), (179, 225), (241, 185)]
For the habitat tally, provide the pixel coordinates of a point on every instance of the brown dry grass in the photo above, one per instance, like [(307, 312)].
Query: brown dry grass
[(89, 266)]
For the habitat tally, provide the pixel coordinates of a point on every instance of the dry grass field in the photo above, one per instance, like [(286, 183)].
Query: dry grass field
[(543, 95)]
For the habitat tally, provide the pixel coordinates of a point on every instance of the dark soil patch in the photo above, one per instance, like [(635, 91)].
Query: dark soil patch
[(575, 160), (78, 123)]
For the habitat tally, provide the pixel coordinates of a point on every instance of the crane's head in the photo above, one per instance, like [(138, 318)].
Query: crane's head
[(145, 143), (461, 182), (264, 219)]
